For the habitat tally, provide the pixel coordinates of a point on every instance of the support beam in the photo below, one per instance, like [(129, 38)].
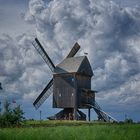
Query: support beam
[(75, 99), (75, 113), (89, 114)]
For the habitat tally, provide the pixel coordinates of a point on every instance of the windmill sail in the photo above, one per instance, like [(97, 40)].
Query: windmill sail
[(48, 89), (44, 95), (74, 50), (43, 53)]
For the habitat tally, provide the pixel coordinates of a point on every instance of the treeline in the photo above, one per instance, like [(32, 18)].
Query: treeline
[(11, 116)]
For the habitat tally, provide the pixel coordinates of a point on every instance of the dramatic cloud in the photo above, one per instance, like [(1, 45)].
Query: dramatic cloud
[(23, 73), (110, 34), (21, 69)]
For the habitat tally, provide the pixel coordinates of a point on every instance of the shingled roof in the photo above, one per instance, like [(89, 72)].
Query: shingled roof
[(74, 65)]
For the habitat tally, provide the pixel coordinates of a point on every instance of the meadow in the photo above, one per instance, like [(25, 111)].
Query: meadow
[(71, 130)]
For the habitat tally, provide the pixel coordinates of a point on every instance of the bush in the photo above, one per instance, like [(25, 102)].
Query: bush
[(11, 117), (128, 121)]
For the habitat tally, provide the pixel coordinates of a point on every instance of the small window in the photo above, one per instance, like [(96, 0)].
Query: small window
[(72, 79)]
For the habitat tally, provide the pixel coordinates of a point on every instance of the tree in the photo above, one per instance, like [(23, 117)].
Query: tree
[(18, 115), (10, 116), (6, 117)]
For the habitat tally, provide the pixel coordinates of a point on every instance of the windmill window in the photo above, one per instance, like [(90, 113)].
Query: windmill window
[(72, 94), (72, 79), (60, 95)]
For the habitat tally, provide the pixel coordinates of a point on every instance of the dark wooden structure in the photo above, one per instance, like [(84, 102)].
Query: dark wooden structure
[(71, 77), (71, 86)]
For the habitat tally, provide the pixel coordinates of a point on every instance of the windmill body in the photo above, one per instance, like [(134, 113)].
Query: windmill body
[(70, 86), (71, 78)]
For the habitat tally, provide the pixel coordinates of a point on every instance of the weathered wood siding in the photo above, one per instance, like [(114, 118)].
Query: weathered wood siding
[(83, 82), (64, 91)]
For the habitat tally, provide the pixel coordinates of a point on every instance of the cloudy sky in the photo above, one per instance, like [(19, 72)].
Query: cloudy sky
[(107, 30)]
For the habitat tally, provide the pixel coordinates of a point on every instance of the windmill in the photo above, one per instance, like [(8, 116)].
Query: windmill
[(71, 86)]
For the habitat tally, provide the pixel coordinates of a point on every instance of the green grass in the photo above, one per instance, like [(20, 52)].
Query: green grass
[(83, 131), (56, 123)]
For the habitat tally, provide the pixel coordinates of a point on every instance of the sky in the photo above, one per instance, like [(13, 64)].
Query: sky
[(108, 31)]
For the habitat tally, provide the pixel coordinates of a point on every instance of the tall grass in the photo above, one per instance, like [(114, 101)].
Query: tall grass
[(83, 132)]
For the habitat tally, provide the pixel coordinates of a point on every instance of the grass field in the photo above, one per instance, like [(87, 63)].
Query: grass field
[(59, 130)]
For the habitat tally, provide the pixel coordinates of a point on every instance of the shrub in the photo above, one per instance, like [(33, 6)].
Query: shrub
[(11, 117), (128, 121)]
